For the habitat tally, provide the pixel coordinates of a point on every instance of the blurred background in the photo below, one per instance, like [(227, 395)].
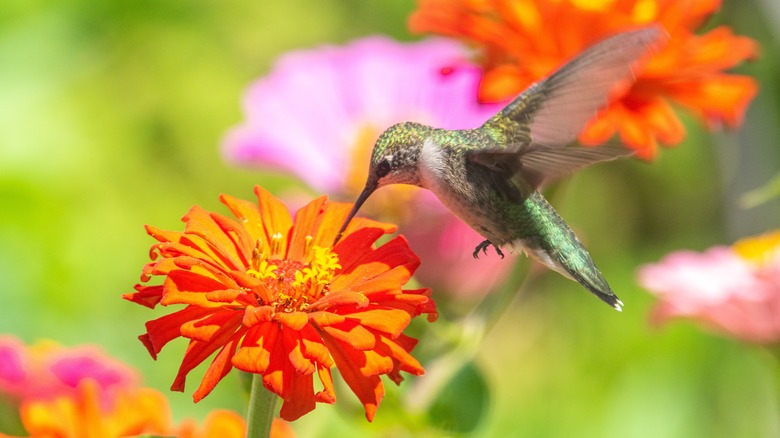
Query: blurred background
[(111, 117)]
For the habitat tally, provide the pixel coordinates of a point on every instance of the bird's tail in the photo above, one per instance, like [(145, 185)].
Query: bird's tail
[(576, 264)]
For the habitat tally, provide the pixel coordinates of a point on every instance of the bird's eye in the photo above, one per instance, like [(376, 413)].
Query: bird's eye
[(383, 168)]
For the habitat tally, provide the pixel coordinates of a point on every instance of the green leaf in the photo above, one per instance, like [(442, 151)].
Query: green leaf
[(463, 402)]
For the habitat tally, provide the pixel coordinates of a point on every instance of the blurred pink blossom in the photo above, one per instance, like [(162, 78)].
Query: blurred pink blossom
[(47, 369), (720, 288), (318, 113)]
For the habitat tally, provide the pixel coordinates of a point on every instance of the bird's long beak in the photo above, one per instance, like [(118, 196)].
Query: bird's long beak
[(367, 191)]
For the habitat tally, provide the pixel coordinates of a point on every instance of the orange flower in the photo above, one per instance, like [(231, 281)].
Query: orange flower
[(522, 41), (129, 412), (85, 415), (273, 296), (227, 424)]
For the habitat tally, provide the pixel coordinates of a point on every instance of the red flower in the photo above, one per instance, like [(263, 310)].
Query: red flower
[(523, 41), (273, 296)]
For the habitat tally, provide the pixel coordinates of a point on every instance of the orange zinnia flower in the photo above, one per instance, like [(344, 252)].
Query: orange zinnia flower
[(128, 412), (275, 297), (523, 41), (227, 424), (84, 415)]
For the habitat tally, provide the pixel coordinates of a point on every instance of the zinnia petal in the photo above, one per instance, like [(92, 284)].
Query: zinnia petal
[(369, 390), (130, 412)]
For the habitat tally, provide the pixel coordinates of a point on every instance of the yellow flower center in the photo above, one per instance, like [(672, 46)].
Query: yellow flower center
[(360, 157), (759, 249), (594, 5), (295, 284), (526, 13), (645, 11)]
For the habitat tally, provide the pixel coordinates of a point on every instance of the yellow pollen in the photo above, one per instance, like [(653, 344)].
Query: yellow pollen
[(527, 13), (645, 11), (392, 201), (594, 5), (260, 267), (296, 284), (360, 158), (760, 249)]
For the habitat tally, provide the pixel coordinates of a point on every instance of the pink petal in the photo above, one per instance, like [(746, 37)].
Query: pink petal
[(306, 123)]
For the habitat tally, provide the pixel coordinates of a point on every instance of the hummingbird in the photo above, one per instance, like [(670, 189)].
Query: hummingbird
[(490, 177)]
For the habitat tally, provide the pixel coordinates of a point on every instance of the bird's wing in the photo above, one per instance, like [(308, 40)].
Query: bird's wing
[(542, 164), (546, 118)]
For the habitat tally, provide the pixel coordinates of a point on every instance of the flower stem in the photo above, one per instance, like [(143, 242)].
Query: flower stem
[(262, 409)]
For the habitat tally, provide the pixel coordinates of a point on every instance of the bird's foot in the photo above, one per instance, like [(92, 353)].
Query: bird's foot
[(484, 246)]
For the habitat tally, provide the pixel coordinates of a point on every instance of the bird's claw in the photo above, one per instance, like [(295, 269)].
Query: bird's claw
[(481, 247), (484, 246)]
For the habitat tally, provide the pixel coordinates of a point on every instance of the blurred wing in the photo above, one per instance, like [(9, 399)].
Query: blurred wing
[(544, 163), (550, 114)]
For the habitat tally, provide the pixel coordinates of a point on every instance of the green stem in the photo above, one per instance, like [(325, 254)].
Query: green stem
[(262, 409), (472, 330), (495, 304)]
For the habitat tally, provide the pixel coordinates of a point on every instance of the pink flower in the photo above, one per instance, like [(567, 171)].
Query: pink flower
[(318, 113), (721, 288), (47, 370)]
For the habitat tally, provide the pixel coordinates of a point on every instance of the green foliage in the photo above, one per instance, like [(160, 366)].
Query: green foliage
[(463, 403), (10, 423)]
